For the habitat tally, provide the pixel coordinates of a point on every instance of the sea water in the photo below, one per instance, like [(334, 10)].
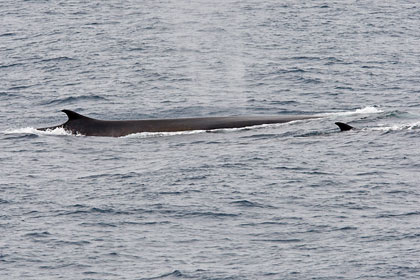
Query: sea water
[(289, 201)]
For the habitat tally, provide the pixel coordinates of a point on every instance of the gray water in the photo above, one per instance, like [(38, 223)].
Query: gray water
[(291, 201)]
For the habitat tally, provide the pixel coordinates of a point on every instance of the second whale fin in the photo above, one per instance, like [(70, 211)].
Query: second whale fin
[(344, 126)]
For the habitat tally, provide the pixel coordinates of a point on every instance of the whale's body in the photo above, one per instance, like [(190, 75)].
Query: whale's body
[(79, 124)]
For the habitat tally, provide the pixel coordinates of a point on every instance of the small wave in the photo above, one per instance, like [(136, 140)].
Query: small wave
[(293, 240), (136, 49), (207, 214), (100, 224), (175, 273), (361, 111), (94, 211), (60, 58), (8, 95), (10, 65), (77, 243), (247, 203), (7, 34), (347, 228), (38, 234), (31, 130), (20, 87), (73, 99), (2, 201), (390, 215), (20, 136)]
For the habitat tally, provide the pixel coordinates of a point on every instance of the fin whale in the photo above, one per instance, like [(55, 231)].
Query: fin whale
[(79, 124)]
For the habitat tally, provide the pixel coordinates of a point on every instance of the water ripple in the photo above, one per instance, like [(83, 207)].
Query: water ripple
[(295, 201), (73, 100)]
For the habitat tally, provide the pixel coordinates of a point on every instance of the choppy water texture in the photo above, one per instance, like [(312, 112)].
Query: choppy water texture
[(292, 201)]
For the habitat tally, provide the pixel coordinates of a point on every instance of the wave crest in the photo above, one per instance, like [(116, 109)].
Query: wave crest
[(361, 111), (397, 127)]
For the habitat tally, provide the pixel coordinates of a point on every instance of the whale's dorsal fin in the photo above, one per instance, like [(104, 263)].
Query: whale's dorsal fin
[(344, 126), (73, 115)]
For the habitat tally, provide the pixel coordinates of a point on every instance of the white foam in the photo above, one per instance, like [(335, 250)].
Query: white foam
[(365, 110), (161, 134), (188, 132), (31, 130), (397, 127)]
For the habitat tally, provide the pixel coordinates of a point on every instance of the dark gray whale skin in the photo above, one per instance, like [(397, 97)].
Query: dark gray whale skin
[(79, 124), (344, 126)]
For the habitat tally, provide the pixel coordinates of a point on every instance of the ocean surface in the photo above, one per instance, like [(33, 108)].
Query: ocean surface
[(300, 200)]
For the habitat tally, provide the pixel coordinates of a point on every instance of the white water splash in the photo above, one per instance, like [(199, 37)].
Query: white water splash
[(397, 127), (219, 130), (31, 130), (365, 110), (161, 134)]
